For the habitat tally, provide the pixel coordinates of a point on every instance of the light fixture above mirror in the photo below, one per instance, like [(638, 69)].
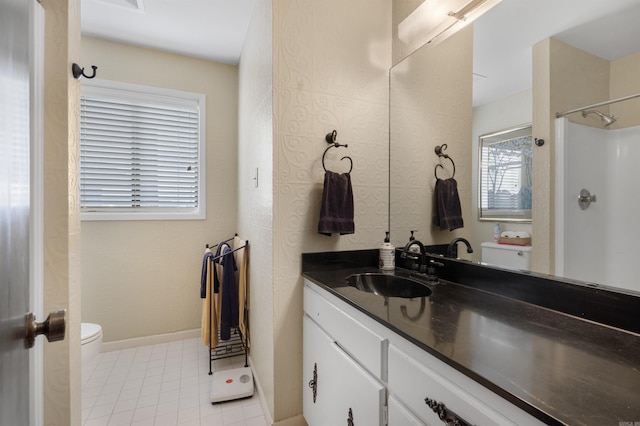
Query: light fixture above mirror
[(435, 20)]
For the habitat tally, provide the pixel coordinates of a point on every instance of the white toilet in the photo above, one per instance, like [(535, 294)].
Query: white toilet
[(91, 341), (507, 256)]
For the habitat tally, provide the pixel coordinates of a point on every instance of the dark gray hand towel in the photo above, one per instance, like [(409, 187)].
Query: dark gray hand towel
[(203, 277), (336, 213), (447, 213), (229, 316)]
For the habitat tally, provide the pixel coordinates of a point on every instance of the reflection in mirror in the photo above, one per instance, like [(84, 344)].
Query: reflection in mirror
[(506, 43), (430, 105), (505, 175)]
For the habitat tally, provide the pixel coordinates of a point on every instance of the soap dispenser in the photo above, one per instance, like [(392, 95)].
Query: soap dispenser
[(496, 233), (387, 260)]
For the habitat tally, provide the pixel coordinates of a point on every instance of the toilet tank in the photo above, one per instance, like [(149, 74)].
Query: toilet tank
[(507, 256)]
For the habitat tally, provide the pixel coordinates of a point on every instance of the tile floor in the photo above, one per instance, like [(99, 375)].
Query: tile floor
[(165, 384)]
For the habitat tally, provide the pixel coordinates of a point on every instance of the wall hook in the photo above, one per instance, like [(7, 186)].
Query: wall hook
[(79, 72)]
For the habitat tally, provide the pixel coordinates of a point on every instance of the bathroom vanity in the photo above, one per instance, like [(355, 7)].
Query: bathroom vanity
[(485, 347)]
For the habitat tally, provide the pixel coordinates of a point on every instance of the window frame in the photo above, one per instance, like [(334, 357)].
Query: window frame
[(158, 96), (504, 213)]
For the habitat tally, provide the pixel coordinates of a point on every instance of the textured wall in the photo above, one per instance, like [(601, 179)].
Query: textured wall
[(330, 72), (142, 278), (61, 221), (329, 63), (255, 204)]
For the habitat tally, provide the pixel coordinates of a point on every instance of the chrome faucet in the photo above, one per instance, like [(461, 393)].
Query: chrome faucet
[(452, 246), (423, 254)]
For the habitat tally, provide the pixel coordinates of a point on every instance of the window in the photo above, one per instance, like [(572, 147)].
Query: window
[(142, 152), (505, 175)]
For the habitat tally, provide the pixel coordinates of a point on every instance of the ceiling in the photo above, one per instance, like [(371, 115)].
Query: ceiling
[(207, 29), (215, 30), (503, 37)]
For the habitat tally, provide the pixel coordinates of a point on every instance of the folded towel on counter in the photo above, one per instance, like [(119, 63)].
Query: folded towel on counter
[(336, 212), (447, 212), (515, 234)]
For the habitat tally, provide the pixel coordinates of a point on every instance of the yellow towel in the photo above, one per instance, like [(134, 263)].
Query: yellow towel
[(243, 300)]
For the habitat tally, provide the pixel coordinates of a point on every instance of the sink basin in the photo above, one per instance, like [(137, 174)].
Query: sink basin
[(388, 285)]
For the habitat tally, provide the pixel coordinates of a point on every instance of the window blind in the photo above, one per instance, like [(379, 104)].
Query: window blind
[(506, 175), (138, 155)]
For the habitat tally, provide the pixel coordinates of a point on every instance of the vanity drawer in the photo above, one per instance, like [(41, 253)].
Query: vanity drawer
[(400, 416), (367, 347), (411, 381)]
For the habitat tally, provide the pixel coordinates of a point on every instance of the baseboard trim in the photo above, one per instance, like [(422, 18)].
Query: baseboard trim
[(292, 421), (149, 340), (263, 402)]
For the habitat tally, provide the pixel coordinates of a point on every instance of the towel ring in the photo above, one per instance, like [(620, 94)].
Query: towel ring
[(439, 152), (331, 140), (337, 145)]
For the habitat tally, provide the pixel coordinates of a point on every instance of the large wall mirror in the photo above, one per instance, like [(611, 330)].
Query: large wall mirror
[(481, 80)]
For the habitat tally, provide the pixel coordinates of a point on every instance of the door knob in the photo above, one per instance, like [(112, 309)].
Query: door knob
[(53, 327)]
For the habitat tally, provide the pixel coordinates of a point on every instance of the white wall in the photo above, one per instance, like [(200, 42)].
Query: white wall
[(499, 115), (61, 237), (255, 204), (142, 278)]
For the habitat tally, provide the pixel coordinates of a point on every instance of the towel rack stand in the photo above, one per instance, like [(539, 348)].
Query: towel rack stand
[(237, 344)]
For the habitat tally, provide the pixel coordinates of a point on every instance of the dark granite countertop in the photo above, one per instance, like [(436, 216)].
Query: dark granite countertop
[(560, 368)]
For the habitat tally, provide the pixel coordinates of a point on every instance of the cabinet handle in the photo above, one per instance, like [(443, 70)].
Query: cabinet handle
[(313, 383), (350, 418), (447, 416)]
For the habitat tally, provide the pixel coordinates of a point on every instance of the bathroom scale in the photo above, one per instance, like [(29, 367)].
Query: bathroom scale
[(227, 385)]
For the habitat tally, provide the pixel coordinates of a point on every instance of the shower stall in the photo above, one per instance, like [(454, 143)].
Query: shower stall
[(597, 233)]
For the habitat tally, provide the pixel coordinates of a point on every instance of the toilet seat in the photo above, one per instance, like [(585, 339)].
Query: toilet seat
[(90, 332)]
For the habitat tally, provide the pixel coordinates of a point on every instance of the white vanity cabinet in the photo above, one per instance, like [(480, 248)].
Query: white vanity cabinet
[(382, 377)]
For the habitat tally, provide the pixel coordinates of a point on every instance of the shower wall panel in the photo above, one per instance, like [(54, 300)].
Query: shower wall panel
[(597, 244)]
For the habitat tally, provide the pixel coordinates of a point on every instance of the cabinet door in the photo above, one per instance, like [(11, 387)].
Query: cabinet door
[(316, 366), (345, 393)]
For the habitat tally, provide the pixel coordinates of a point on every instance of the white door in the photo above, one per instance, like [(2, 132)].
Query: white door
[(15, 214), (14, 211)]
